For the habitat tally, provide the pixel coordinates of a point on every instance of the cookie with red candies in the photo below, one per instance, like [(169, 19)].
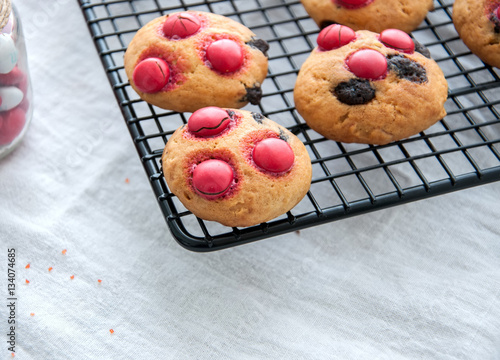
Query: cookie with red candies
[(478, 25), (188, 60), (370, 88), (373, 15), (236, 167)]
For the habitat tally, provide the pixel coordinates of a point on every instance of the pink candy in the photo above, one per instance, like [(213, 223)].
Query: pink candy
[(335, 36), (13, 104), (225, 55), (352, 4), (151, 75), (180, 26), (398, 40), (11, 124), (274, 155), (367, 64), (212, 178), (208, 121)]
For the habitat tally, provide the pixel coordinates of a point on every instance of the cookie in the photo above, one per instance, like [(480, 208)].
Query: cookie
[(373, 15), (188, 60), (368, 88), (478, 25), (236, 167)]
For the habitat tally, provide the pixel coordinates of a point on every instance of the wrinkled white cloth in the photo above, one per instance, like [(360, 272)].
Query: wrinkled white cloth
[(417, 281)]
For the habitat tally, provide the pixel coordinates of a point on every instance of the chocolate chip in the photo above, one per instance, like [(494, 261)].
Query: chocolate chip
[(283, 136), (496, 22), (254, 94), (406, 68), (231, 113), (258, 117), (326, 23), (422, 49), (259, 44), (354, 92)]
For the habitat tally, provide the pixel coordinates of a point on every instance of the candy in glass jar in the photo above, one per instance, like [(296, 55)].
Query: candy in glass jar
[(15, 87)]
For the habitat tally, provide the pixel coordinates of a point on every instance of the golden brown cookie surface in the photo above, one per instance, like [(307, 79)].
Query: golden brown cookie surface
[(478, 25), (373, 15), (189, 60), (236, 167), (369, 88)]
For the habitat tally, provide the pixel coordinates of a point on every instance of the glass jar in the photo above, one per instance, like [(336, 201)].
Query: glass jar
[(15, 88)]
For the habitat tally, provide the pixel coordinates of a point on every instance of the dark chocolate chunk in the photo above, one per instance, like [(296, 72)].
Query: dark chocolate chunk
[(496, 22), (254, 94), (258, 117), (259, 44), (326, 23), (422, 49), (354, 92), (231, 113), (406, 68), (283, 136)]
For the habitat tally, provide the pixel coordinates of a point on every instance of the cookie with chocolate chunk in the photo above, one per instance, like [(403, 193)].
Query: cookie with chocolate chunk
[(373, 15), (370, 88), (188, 60), (236, 167), (478, 25)]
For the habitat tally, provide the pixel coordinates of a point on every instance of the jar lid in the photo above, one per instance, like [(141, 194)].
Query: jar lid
[(5, 9)]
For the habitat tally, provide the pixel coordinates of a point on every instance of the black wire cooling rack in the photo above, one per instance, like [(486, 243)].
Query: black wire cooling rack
[(461, 151)]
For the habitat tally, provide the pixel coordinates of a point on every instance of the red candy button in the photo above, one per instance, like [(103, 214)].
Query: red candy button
[(273, 155), (367, 64), (180, 26), (335, 36), (208, 121), (212, 178), (11, 125), (151, 75), (398, 40), (225, 55), (497, 12), (352, 4)]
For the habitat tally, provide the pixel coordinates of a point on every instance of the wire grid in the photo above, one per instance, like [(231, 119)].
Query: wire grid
[(458, 152)]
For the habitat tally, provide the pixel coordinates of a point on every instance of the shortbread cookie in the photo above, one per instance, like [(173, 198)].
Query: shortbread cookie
[(236, 167), (478, 25), (373, 15), (189, 60), (368, 88)]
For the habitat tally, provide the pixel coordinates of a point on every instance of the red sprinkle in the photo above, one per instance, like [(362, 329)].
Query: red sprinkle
[(398, 40), (208, 121), (151, 75), (225, 55), (367, 64), (181, 25), (64, 252), (32, 314), (50, 268), (27, 281), (273, 155), (27, 266), (127, 181), (72, 277), (111, 331), (212, 178), (335, 36), (99, 281)]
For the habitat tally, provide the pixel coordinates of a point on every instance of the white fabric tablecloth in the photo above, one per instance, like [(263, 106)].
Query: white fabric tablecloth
[(418, 281)]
